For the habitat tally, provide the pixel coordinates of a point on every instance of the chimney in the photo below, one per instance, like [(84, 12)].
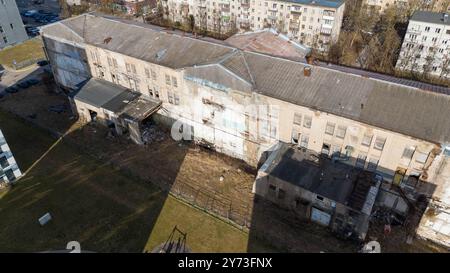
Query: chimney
[(307, 71)]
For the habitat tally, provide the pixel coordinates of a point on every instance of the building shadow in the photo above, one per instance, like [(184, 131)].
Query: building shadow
[(310, 202)]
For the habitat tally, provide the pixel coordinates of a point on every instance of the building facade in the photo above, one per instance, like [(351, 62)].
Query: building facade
[(243, 103), (314, 23), (9, 170), (426, 46), (12, 30)]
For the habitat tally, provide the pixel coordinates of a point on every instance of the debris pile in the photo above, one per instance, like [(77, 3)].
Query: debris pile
[(152, 134)]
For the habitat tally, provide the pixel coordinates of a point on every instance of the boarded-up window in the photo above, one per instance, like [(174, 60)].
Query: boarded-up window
[(379, 143), (341, 130), (297, 119), (329, 130), (367, 140), (307, 120)]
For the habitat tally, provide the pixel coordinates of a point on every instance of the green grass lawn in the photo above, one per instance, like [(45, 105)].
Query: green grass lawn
[(102, 208), (30, 49)]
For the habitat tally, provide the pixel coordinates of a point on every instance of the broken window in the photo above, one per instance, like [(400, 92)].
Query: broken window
[(297, 119), (329, 130), (304, 141), (174, 82), (379, 143), (361, 160), (367, 140), (341, 130), (307, 120), (408, 152), (272, 190), (168, 80), (294, 136), (150, 91), (157, 94), (372, 165)]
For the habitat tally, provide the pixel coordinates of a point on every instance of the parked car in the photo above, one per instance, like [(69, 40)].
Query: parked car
[(23, 84), (33, 81), (2, 71)]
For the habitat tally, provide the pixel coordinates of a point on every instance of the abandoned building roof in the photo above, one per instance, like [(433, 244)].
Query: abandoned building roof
[(415, 109), (99, 92), (336, 181), (431, 17), (270, 42), (117, 99)]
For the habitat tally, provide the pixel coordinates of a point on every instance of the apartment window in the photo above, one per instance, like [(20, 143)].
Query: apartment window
[(329, 130), (297, 119), (153, 75), (11, 25), (379, 143), (147, 73), (168, 80), (1, 29), (421, 157), (133, 68), (157, 94), (408, 152), (434, 40), (372, 165), (174, 82), (438, 30), (5, 40), (110, 63), (281, 194), (448, 31), (176, 99), (361, 161), (307, 120), (367, 140), (170, 96), (341, 130), (128, 67), (427, 29), (304, 140)]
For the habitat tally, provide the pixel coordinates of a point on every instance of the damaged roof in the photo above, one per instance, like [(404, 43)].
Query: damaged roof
[(336, 181), (407, 107)]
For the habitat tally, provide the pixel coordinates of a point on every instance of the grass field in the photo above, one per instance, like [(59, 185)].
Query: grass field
[(28, 50), (102, 208)]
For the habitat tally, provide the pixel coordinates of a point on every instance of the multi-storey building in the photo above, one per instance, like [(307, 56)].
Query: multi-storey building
[(244, 103), (12, 30), (426, 46), (405, 5), (9, 171), (315, 23)]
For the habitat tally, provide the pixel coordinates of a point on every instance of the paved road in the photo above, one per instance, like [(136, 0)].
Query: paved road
[(10, 77)]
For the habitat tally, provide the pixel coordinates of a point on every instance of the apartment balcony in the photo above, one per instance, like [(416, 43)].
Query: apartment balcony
[(273, 9), (202, 4), (293, 25), (225, 10), (326, 30), (272, 17), (296, 10)]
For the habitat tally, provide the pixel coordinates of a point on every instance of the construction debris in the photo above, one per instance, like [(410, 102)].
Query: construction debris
[(152, 134)]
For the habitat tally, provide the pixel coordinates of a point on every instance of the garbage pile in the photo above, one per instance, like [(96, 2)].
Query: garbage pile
[(152, 133)]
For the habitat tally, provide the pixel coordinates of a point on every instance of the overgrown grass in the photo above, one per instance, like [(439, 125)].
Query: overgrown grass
[(28, 50)]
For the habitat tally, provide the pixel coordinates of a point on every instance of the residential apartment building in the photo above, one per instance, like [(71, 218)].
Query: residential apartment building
[(12, 30), (314, 23), (408, 5), (9, 170), (426, 46), (244, 104)]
